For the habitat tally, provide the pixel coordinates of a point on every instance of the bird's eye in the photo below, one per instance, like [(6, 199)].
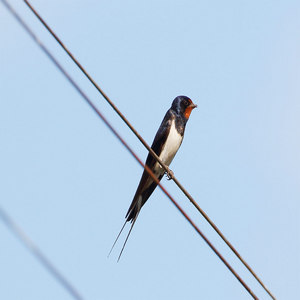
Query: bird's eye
[(186, 103)]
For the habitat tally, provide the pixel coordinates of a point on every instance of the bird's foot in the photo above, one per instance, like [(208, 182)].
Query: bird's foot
[(169, 174)]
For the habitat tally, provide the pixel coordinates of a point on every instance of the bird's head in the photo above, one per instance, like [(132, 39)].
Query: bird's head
[(183, 105)]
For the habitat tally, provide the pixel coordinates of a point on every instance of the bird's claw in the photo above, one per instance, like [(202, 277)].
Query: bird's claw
[(169, 174)]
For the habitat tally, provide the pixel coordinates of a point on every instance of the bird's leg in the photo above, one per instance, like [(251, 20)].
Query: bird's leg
[(169, 174)]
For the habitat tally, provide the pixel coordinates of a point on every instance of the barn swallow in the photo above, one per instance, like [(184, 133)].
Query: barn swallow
[(166, 143)]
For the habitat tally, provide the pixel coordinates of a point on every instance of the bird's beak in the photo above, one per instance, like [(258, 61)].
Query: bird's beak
[(192, 105), (189, 109)]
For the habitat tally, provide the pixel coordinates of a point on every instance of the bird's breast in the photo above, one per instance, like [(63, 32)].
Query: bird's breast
[(171, 145)]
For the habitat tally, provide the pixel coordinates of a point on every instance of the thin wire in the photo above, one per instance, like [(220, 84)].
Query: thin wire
[(68, 77), (38, 254), (166, 168)]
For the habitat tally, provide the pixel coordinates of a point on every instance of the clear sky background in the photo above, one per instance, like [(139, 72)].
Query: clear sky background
[(68, 182)]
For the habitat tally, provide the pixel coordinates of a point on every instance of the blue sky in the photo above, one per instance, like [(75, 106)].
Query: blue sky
[(68, 182)]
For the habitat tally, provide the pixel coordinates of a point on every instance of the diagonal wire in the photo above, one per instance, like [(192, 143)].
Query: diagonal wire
[(38, 254), (166, 168), (78, 89)]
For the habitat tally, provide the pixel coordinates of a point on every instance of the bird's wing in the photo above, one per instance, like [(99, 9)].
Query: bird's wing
[(146, 185), (160, 138)]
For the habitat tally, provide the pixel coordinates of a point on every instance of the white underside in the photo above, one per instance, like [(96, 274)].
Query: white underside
[(170, 148), (168, 152)]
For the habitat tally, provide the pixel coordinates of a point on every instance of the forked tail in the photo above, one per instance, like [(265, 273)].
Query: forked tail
[(127, 236), (138, 208), (116, 239)]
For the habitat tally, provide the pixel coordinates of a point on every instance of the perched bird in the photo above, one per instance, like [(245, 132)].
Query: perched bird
[(166, 143)]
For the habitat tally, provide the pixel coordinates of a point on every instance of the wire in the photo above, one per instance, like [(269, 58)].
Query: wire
[(56, 63), (38, 254), (166, 168)]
